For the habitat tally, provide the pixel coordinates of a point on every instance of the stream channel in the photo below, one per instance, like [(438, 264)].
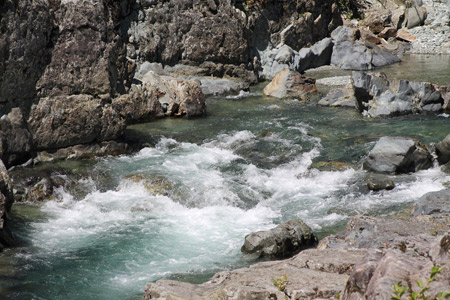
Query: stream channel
[(181, 207)]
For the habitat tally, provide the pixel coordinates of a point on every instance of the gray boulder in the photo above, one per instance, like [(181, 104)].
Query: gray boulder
[(433, 203), (443, 150), (352, 54), (415, 16), (284, 240), (377, 96), (398, 155), (344, 97), (378, 182)]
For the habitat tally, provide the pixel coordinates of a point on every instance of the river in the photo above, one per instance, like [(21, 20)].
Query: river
[(181, 207)]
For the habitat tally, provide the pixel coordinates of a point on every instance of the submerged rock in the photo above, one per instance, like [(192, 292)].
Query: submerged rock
[(378, 183), (398, 155), (290, 84), (282, 241)]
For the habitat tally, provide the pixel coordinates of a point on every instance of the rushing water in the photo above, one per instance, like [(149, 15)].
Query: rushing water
[(181, 207)]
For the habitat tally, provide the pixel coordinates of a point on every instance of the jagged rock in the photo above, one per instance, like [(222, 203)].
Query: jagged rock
[(388, 33), (398, 155), (445, 93), (185, 97), (289, 83), (348, 53), (378, 183), (6, 201), (376, 96), (443, 150), (433, 203), (312, 274), (282, 241), (63, 121), (140, 104)]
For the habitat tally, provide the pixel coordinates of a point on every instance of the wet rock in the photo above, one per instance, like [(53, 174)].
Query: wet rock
[(284, 240), (377, 96), (6, 201), (63, 121), (289, 83), (433, 203), (443, 150), (312, 274), (343, 97), (378, 183), (398, 155), (157, 185), (185, 97), (331, 166)]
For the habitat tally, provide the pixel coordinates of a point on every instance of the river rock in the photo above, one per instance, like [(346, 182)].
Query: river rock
[(377, 96), (443, 150), (398, 155), (291, 84), (344, 97), (282, 241), (378, 183), (185, 97), (312, 274), (6, 201), (415, 16), (433, 203)]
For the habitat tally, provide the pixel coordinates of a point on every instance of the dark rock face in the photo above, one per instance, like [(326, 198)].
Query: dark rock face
[(282, 241), (224, 36), (56, 59), (443, 150), (398, 155), (6, 201)]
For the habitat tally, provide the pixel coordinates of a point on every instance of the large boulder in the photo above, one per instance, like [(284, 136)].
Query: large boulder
[(290, 84), (377, 96), (284, 240), (352, 54), (63, 121), (443, 150), (339, 97), (184, 97), (398, 155), (6, 201)]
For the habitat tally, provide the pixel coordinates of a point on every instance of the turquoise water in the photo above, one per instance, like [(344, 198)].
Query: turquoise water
[(181, 207)]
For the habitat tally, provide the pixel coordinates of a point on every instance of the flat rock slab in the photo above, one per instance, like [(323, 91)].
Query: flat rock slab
[(312, 274)]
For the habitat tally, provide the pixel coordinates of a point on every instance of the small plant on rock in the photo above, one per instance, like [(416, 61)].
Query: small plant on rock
[(280, 282), (400, 290)]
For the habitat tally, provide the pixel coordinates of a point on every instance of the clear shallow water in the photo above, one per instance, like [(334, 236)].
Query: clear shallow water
[(181, 208)]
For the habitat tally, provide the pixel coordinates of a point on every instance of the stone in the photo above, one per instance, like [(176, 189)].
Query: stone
[(378, 183), (290, 84), (443, 150), (185, 97), (398, 155), (62, 121), (415, 16), (282, 241), (405, 35), (341, 97), (312, 274), (433, 203), (388, 33)]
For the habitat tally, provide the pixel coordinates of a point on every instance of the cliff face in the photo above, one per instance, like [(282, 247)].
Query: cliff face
[(64, 62), (55, 55)]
